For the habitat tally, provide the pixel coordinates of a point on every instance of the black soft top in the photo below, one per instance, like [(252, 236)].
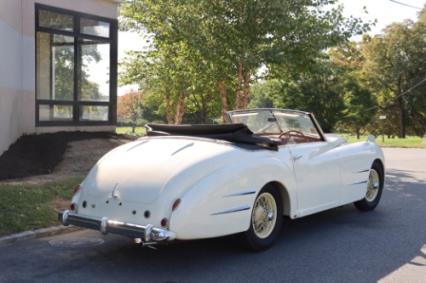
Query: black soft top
[(235, 133)]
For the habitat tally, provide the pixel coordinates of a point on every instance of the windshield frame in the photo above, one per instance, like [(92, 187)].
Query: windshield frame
[(272, 110)]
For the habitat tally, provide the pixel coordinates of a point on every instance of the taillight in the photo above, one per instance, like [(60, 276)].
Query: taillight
[(76, 189), (164, 222), (175, 204), (73, 206)]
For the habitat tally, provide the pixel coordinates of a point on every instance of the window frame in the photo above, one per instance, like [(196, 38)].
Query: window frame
[(78, 36)]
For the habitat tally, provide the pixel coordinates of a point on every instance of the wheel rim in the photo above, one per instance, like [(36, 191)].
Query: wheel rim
[(373, 186), (264, 215)]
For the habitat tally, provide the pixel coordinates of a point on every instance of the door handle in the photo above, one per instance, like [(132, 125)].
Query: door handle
[(297, 157)]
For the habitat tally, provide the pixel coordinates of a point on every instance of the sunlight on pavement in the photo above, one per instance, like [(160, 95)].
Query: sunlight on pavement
[(413, 271)]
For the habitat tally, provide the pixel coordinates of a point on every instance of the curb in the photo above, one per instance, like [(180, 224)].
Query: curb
[(38, 233)]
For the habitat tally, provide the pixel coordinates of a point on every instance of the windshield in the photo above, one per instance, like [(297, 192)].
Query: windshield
[(276, 122)]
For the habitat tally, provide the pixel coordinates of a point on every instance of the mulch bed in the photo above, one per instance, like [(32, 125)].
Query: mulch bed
[(39, 154)]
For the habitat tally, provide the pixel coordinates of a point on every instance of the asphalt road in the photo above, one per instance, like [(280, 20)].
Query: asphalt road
[(340, 245)]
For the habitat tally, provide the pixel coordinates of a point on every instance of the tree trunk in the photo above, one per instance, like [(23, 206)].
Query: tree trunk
[(401, 118), (246, 90), (401, 107), (180, 108), (357, 133), (239, 94), (223, 100), (169, 112), (204, 109)]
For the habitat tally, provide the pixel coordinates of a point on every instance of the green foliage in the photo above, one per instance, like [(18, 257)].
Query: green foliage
[(318, 91), (359, 102), (197, 46), (395, 62), (358, 82), (357, 99), (206, 57), (267, 94)]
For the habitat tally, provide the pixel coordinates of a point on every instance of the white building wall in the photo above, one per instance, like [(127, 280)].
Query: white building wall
[(10, 71), (17, 64)]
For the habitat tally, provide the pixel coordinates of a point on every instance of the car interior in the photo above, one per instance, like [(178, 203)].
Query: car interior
[(282, 126)]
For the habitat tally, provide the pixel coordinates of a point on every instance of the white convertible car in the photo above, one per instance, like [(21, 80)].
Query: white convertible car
[(201, 181)]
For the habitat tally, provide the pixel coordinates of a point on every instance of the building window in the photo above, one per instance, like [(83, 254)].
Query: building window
[(76, 68)]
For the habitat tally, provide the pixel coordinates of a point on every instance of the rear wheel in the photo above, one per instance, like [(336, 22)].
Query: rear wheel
[(266, 220), (374, 189)]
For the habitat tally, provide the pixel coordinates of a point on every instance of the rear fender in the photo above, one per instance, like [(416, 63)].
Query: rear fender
[(220, 203)]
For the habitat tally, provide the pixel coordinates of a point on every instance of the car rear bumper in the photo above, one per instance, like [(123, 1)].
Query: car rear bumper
[(147, 233)]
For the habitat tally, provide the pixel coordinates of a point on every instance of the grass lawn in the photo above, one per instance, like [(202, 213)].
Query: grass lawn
[(26, 207), (410, 141), (139, 131)]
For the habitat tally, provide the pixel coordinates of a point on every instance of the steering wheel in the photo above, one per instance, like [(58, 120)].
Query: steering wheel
[(294, 132)]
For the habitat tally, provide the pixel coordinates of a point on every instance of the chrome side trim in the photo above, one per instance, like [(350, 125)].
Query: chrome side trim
[(148, 232), (232, 210), (317, 126), (136, 145), (266, 108), (104, 224), (64, 218), (242, 193), (358, 183), (182, 148), (363, 171)]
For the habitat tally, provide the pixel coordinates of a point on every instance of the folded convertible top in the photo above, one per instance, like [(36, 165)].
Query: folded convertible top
[(235, 133)]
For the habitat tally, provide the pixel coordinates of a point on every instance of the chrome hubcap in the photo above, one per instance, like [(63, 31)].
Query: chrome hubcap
[(264, 215), (373, 186)]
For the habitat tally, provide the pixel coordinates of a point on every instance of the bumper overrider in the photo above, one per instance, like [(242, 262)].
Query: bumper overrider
[(147, 233)]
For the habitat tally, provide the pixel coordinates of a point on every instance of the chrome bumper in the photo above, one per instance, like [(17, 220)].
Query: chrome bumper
[(147, 233)]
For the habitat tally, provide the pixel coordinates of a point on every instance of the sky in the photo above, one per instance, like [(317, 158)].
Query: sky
[(128, 41), (384, 11)]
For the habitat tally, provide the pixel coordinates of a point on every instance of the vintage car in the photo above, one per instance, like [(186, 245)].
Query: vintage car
[(246, 176)]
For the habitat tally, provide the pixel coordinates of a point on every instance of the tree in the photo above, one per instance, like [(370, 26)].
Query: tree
[(266, 94), (258, 33), (318, 90), (359, 103), (395, 62), (162, 72), (230, 40), (129, 107)]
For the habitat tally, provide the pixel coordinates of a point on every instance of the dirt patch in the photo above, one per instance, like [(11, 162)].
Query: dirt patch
[(60, 204), (81, 155), (58, 155)]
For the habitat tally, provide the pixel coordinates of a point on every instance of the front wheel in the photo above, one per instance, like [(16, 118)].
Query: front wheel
[(266, 220), (374, 189)]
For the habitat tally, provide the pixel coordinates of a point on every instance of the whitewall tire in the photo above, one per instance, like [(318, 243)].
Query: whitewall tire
[(374, 189), (266, 219)]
